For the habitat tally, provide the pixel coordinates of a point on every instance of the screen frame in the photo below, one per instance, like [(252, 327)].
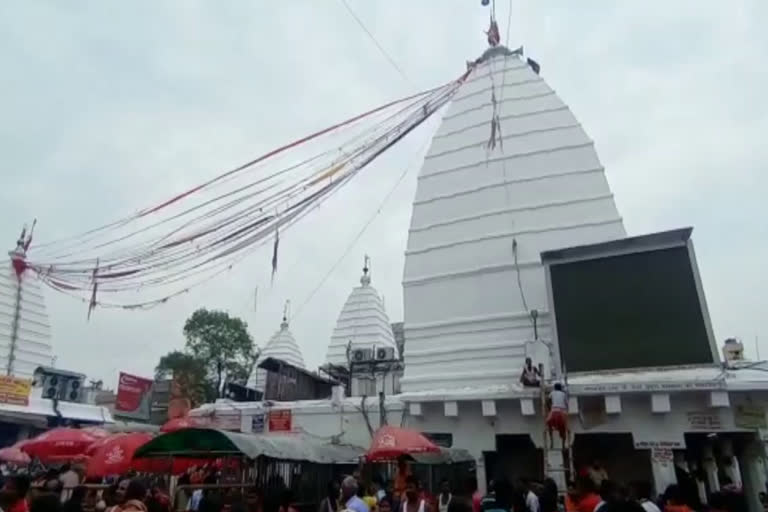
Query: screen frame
[(625, 246)]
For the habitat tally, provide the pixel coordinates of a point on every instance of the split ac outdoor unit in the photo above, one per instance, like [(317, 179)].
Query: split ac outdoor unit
[(362, 354), (385, 354), (59, 384)]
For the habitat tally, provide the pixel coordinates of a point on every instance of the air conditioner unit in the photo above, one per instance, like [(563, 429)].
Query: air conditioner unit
[(51, 386), (59, 384), (360, 355), (385, 354), (72, 389)]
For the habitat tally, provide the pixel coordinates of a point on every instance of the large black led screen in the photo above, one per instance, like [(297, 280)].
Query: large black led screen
[(629, 311)]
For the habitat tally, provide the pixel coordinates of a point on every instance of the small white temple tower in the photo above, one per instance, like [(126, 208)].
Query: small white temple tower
[(282, 345), (25, 331), (362, 324)]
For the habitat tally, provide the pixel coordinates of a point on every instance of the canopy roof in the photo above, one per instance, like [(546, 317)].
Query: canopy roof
[(444, 456), (206, 442)]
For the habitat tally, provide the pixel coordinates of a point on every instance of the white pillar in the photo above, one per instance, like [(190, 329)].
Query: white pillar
[(480, 474), (730, 462), (663, 469), (753, 474), (710, 468)]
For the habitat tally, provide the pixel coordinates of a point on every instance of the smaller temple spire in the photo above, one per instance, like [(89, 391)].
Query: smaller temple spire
[(365, 280)]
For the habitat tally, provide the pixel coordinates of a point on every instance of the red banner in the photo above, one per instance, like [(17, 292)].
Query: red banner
[(279, 421), (134, 396)]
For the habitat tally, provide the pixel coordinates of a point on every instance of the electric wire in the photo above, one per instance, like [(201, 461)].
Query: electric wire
[(364, 228), (378, 45)]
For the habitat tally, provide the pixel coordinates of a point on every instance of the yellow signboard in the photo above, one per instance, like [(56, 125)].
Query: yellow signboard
[(14, 391)]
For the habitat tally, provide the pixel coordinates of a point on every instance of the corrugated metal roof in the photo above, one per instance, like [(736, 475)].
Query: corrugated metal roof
[(203, 442)]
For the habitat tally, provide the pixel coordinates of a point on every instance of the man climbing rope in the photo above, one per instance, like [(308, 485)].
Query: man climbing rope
[(557, 419)]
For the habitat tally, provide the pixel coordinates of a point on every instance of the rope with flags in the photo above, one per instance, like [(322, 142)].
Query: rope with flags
[(200, 233)]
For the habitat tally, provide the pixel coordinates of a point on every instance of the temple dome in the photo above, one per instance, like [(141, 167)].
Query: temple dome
[(282, 345), (363, 322), (33, 331), (485, 209)]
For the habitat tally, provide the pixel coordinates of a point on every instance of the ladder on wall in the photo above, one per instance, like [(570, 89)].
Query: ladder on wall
[(557, 461)]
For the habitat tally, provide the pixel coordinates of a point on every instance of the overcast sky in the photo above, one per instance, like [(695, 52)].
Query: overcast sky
[(109, 106)]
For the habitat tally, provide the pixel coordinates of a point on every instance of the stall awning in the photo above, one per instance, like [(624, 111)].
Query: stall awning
[(206, 442), (444, 456)]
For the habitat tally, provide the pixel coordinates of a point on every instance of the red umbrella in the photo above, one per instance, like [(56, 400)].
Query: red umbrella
[(97, 432), (59, 444), (114, 457), (101, 442), (14, 455), (392, 442), (180, 423)]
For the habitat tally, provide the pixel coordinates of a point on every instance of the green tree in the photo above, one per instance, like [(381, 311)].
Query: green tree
[(222, 345), (190, 374)]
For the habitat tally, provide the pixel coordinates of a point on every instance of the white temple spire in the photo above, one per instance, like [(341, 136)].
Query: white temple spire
[(482, 215), (25, 340), (362, 323), (282, 345)]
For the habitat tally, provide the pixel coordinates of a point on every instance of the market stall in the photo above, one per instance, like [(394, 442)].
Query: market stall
[(400, 451), (272, 463)]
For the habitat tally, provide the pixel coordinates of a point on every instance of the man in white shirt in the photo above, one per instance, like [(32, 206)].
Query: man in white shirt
[(558, 414), (532, 501), (69, 479), (642, 493)]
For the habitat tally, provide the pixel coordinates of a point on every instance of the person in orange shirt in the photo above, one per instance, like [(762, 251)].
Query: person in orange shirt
[(571, 497), (588, 499)]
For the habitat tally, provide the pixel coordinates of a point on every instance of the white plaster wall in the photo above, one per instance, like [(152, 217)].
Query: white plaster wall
[(33, 341), (477, 434), (317, 418)]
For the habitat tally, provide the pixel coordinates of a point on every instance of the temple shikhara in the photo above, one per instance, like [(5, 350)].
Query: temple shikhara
[(517, 250), (519, 278)]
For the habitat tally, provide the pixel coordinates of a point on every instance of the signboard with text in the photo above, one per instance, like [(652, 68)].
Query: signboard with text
[(257, 423), (749, 416), (662, 456), (134, 397), (646, 387), (15, 391), (280, 421), (677, 444), (704, 420)]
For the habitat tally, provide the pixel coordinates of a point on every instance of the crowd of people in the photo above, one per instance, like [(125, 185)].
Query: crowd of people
[(593, 491), (201, 491), (61, 490)]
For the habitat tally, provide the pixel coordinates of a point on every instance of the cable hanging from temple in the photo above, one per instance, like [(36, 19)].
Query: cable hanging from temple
[(200, 233)]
